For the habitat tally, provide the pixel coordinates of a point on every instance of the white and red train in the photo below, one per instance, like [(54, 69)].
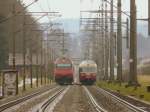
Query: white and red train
[(87, 72), (63, 71)]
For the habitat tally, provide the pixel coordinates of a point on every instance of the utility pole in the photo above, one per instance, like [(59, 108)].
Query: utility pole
[(98, 54), (47, 57), (119, 43), (44, 66), (31, 61), (31, 66), (37, 68), (106, 44), (13, 37), (51, 62), (148, 17), (24, 52), (111, 42), (103, 42), (127, 33), (63, 45), (41, 61), (133, 45)]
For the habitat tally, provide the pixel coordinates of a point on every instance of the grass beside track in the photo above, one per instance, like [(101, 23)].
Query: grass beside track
[(140, 92)]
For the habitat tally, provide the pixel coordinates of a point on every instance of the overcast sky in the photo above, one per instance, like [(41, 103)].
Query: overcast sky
[(71, 8)]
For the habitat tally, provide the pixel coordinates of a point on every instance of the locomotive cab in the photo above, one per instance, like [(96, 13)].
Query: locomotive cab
[(87, 72), (63, 71)]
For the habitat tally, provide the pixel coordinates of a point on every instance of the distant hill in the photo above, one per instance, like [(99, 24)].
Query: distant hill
[(143, 50), (143, 47)]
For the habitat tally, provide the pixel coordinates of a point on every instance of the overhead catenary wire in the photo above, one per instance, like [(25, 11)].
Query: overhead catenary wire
[(117, 8)]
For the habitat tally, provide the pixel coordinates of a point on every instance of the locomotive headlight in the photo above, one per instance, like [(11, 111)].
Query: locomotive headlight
[(82, 74), (93, 75)]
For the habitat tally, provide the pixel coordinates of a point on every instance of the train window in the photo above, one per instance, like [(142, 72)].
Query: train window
[(63, 65), (89, 69), (80, 70)]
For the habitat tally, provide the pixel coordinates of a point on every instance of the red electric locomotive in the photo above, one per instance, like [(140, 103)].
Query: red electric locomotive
[(87, 72), (63, 71)]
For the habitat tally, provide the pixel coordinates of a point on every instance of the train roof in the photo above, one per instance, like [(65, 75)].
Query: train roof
[(88, 63), (63, 60)]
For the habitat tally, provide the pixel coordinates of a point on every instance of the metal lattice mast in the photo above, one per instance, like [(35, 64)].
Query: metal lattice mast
[(119, 43), (133, 44)]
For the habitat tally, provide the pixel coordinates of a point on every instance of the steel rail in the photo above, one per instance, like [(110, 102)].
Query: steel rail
[(94, 102), (25, 98), (52, 99), (125, 103)]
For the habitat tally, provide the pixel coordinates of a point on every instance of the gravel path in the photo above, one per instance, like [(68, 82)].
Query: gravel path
[(75, 100)]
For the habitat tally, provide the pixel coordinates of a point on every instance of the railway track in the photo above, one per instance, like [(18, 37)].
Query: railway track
[(25, 98), (50, 104), (121, 101), (57, 93), (94, 103)]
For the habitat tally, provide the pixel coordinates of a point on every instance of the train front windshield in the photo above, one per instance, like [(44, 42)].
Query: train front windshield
[(88, 69), (63, 65)]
